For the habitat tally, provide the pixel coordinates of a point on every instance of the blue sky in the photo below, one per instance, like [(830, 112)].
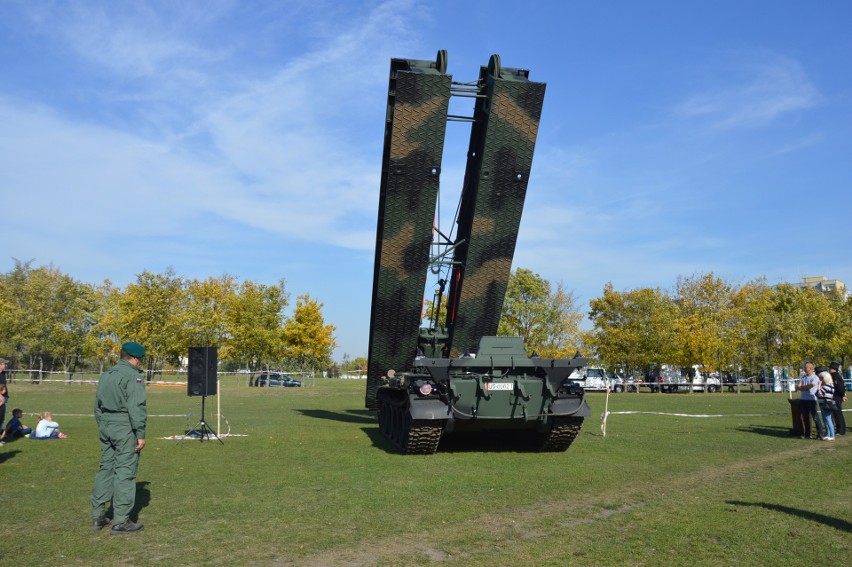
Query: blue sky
[(246, 137)]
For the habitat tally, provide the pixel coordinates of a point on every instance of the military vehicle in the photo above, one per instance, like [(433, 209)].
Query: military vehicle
[(454, 374)]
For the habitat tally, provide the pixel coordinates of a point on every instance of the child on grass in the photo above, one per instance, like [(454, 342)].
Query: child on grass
[(15, 428), (46, 428)]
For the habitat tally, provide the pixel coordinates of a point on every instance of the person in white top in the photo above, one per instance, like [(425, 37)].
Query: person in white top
[(46, 428), (808, 386)]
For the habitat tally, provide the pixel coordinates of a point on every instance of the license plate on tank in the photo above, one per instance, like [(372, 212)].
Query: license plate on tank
[(493, 386)]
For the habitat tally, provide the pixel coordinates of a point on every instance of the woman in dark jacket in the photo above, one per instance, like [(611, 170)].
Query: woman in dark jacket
[(839, 398)]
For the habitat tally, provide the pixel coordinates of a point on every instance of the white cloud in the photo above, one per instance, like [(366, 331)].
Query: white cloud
[(276, 154), (777, 86)]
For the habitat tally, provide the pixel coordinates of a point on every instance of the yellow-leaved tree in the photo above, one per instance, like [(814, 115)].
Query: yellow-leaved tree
[(308, 341), (205, 315), (633, 330)]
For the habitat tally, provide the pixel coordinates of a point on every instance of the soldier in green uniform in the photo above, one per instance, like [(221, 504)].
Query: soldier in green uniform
[(121, 413)]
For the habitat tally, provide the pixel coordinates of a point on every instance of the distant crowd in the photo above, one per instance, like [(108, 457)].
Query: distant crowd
[(823, 387)]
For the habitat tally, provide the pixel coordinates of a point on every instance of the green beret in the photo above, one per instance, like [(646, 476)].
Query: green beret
[(134, 349)]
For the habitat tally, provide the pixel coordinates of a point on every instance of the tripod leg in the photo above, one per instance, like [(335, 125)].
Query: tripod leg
[(205, 429)]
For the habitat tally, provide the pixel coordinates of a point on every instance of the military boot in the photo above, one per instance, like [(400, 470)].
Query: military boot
[(126, 528)]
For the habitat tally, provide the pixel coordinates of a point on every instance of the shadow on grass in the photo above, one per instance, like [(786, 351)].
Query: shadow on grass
[(349, 416), (775, 431), (6, 455), (143, 498), (807, 515), (469, 441), (378, 440), (490, 442)]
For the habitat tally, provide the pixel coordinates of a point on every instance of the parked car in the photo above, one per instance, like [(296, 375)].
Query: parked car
[(275, 379), (289, 381)]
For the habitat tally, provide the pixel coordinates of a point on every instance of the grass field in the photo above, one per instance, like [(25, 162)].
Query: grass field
[(312, 483)]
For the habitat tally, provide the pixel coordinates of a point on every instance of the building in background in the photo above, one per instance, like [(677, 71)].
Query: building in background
[(823, 284)]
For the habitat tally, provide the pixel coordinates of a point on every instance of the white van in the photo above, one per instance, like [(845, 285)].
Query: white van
[(596, 378), (674, 380)]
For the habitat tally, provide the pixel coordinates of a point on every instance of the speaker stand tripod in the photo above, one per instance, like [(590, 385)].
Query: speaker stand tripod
[(204, 429)]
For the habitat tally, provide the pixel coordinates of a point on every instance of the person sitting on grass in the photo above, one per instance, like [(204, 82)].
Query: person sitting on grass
[(15, 428), (46, 428)]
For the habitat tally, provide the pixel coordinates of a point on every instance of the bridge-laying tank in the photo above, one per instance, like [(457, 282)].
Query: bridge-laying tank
[(455, 375)]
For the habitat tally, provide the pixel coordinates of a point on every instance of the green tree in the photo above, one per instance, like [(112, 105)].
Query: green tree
[(13, 306), (802, 325), (205, 320), (359, 365), (633, 329), (151, 311), (704, 322), (74, 319), (753, 335), (821, 323), (254, 318), (102, 342), (46, 315), (547, 319), (840, 344), (308, 341)]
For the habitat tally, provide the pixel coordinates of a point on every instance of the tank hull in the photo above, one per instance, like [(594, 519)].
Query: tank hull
[(501, 389)]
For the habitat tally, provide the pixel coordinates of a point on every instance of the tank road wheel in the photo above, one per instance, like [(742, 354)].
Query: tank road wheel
[(402, 424), (562, 433), (384, 418)]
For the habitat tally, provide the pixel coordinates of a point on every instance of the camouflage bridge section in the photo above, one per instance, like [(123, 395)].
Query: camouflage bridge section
[(418, 100), (498, 169)]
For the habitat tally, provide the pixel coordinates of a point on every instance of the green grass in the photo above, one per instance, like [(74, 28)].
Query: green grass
[(314, 484)]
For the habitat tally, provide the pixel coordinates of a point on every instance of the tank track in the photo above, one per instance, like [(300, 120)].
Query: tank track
[(410, 436), (561, 434)]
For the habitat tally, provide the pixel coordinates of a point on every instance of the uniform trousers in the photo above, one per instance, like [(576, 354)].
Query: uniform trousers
[(116, 478)]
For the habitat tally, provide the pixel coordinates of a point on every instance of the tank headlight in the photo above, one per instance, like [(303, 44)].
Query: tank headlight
[(425, 389)]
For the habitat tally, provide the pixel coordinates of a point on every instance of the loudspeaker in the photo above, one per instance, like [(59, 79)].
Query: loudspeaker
[(202, 366)]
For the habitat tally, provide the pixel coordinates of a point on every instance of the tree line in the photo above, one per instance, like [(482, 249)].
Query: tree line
[(50, 321), (710, 322), (704, 320)]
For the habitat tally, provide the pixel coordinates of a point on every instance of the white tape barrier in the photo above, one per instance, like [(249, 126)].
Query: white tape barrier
[(700, 414), (93, 415), (198, 437), (74, 381)]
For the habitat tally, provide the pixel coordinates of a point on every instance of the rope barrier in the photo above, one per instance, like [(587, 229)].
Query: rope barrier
[(695, 414)]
